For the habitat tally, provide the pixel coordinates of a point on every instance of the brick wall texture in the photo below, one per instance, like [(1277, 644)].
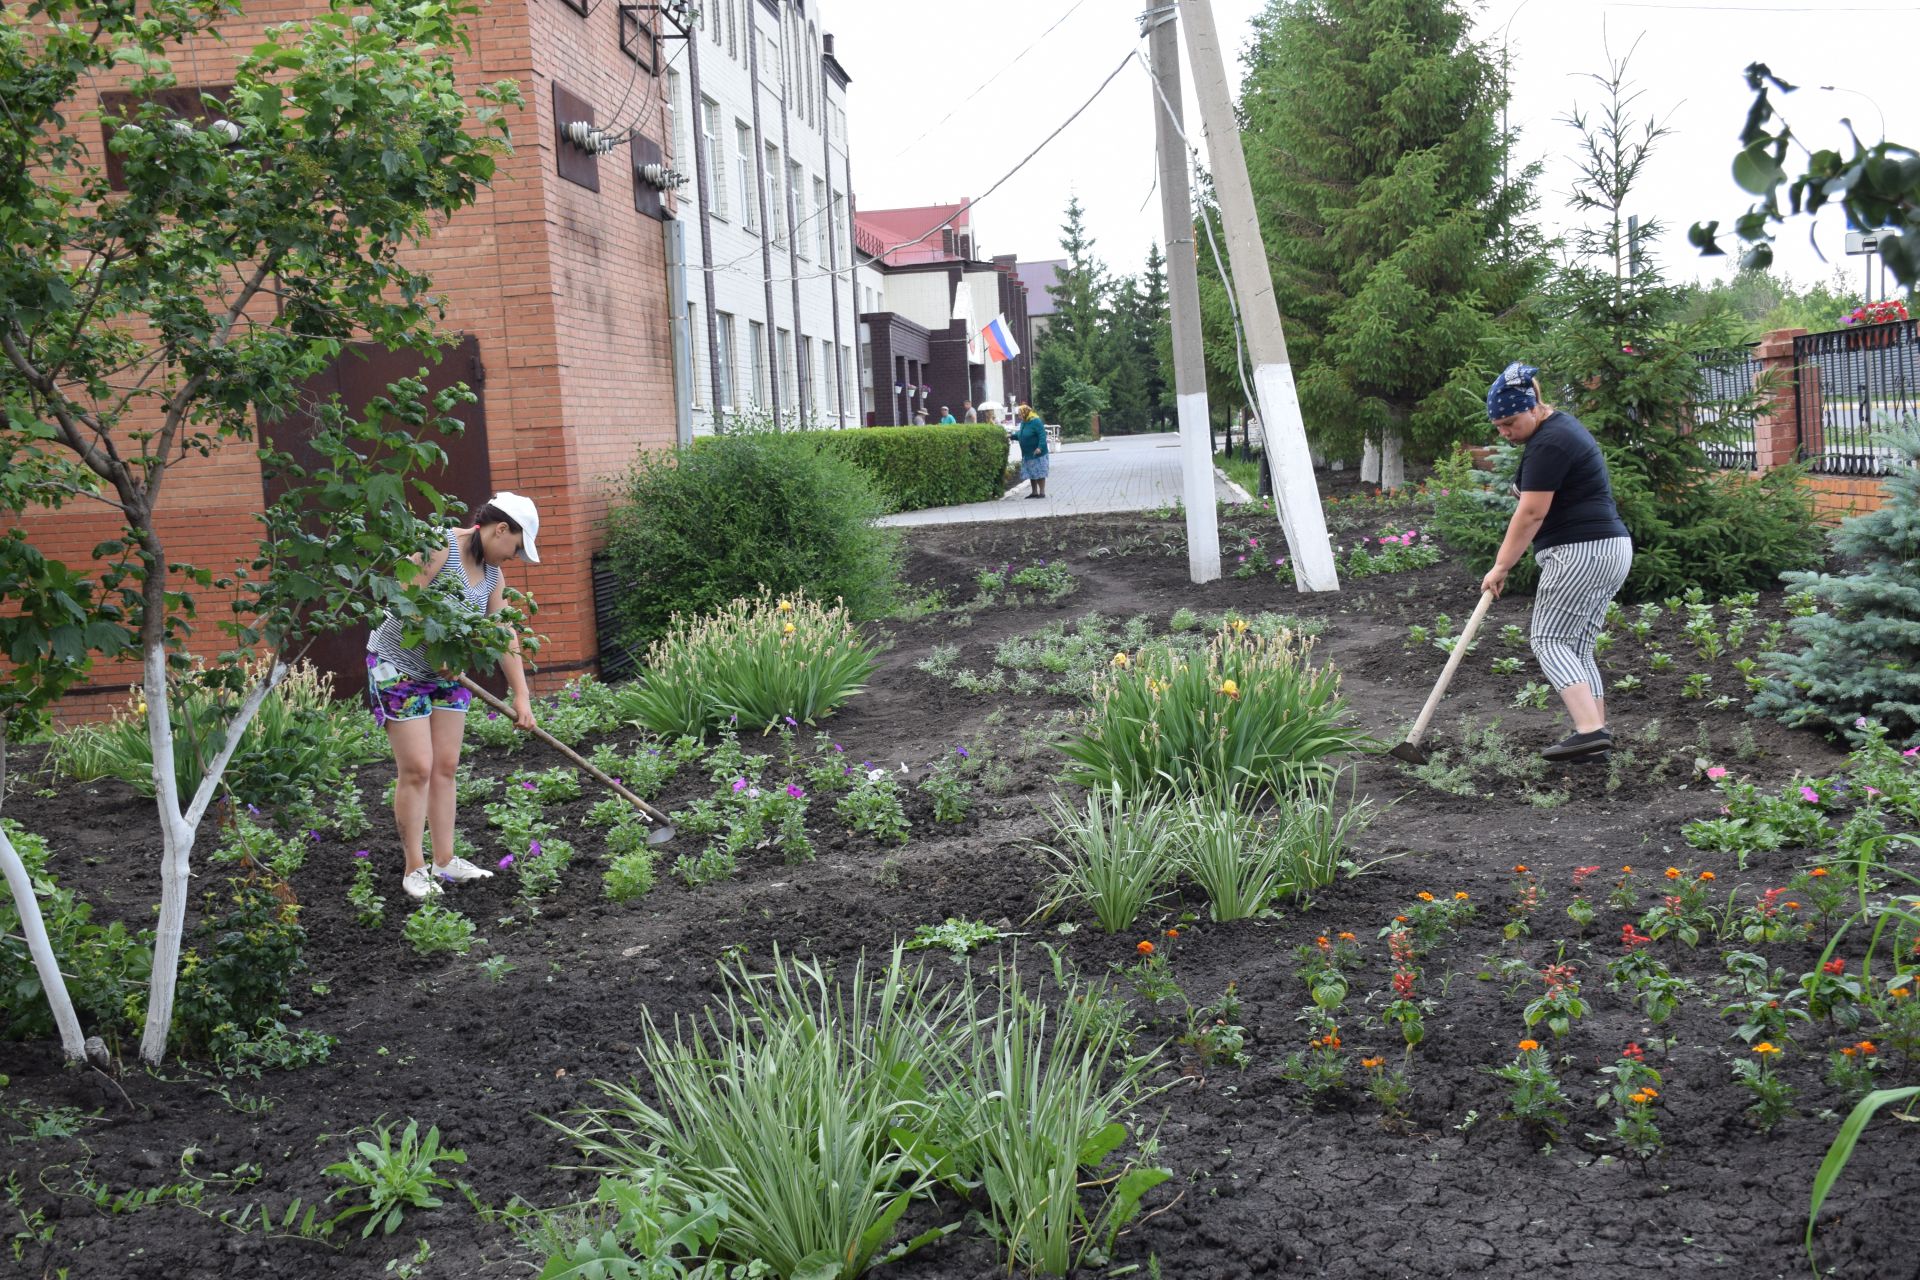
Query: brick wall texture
[(564, 289)]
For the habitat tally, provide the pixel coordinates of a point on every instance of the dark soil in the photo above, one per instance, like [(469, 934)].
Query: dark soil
[(1266, 1183)]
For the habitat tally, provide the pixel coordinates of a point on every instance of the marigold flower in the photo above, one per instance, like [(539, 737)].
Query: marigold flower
[(1791, 906), (1371, 1063), (1346, 937), (1229, 688), (1706, 875), (1673, 873), (1322, 943), (1639, 1098), (1528, 1046), (1400, 919), (1460, 895), (1649, 1090), (1846, 1051), (1899, 992), (1144, 947), (1424, 896), (1173, 933), (1766, 1047), (1520, 868), (1628, 870), (1868, 1046), (1818, 871)]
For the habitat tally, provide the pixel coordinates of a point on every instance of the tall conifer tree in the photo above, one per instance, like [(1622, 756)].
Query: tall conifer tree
[(1374, 143)]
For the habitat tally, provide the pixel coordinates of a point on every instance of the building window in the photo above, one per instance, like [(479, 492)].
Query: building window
[(848, 371), (812, 398), (757, 347), (733, 43), (866, 373), (785, 342), (695, 346), (797, 201), (823, 222), (715, 194), (743, 172), (770, 201), (836, 225), (723, 393)]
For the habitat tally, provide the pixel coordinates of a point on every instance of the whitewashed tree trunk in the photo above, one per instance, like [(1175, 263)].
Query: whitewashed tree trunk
[(1393, 460), (33, 927), (178, 829), (1370, 462)]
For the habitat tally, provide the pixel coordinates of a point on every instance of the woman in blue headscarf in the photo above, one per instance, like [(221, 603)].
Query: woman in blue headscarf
[(1566, 514)]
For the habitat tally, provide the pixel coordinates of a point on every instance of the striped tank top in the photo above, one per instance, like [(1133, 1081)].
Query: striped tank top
[(452, 579)]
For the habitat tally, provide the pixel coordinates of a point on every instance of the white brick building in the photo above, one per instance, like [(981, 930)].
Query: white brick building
[(760, 105)]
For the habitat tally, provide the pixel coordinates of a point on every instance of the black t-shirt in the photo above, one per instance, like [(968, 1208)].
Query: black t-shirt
[(1561, 458)]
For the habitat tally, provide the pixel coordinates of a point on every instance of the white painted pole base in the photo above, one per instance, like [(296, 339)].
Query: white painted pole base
[(1302, 519), (1196, 488), (1393, 461)]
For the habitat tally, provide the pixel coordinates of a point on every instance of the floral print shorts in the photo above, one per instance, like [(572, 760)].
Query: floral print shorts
[(393, 695)]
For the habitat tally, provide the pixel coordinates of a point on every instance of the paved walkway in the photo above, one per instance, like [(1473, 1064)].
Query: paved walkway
[(1123, 473)]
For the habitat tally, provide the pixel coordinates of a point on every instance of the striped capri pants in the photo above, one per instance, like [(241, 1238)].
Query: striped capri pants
[(1577, 582)]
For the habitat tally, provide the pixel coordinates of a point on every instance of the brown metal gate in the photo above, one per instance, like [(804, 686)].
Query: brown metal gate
[(364, 371)]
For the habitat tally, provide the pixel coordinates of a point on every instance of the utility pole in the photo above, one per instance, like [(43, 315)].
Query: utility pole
[(1302, 521), (1183, 297)]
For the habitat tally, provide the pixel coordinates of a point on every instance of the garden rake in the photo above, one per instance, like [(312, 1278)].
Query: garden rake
[(1409, 750), (662, 830)]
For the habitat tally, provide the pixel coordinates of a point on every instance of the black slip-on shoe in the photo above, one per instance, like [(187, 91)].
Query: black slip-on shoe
[(1573, 746)]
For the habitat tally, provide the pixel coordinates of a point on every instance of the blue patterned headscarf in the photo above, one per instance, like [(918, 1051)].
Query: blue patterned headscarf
[(1511, 392)]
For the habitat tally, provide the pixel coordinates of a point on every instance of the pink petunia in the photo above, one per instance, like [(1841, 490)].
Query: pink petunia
[(1810, 795), (506, 862), (1716, 773)]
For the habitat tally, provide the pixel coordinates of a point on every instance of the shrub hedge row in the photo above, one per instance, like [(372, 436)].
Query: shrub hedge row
[(917, 467)]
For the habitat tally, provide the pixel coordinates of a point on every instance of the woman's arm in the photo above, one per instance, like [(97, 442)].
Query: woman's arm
[(1527, 515), (511, 664)]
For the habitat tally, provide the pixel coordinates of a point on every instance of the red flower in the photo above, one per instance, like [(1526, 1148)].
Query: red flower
[(1634, 1051), (1631, 938), (1836, 967), (1403, 985)]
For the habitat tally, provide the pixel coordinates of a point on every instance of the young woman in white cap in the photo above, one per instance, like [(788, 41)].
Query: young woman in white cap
[(423, 710)]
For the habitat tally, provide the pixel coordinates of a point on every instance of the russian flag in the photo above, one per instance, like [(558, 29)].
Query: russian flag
[(999, 342)]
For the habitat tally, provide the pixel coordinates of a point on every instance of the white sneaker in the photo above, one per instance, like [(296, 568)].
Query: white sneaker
[(419, 883), (459, 871)]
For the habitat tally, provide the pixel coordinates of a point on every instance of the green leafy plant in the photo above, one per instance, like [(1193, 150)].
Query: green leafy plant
[(369, 908), (759, 661), (948, 787), (958, 937), (1772, 1094), (391, 1176), (1116, 855), (1534, 1095), (1247, 718), (873, 806), (436, 929), (629, 875)]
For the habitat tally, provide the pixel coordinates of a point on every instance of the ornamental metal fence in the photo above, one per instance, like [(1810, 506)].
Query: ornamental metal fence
[(1852, 385), (1725, 408)]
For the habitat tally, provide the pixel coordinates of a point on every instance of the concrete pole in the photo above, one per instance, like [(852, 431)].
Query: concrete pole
[(1183, 297), (1302, 521)]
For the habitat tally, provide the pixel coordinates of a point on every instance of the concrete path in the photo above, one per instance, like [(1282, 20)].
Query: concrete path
[(1122, 473)]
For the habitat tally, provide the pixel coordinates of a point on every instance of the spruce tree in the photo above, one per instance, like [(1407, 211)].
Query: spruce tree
[(1862, 651), (1155, 322), (1373, 140), (1074, 347)]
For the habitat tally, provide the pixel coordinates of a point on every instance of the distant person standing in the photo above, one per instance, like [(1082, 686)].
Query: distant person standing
[(967, 413), (1033, 450), (946, 416), (919, 418)]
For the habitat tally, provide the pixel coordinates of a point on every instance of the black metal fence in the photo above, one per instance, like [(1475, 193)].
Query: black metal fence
[(1852, 385), (1725, 409)]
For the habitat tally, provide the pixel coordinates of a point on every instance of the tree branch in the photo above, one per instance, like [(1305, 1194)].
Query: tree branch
[(182, 399), (102, 459)]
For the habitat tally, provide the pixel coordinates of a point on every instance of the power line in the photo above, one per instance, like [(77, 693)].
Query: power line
[(982, 87), (1131, 56)]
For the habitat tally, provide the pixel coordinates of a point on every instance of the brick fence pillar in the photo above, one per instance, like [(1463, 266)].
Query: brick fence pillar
[(1776, 431)]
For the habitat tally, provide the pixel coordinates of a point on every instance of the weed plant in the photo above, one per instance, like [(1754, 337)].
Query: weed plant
[(434, 928), (385, 1177), (629, 875)]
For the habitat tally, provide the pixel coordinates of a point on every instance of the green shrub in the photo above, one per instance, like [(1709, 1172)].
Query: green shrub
[(916, 467), (298, 744), (238, 973), (105, 966), (759, 662), (1244, 863), (1248, 716), (699, 527)]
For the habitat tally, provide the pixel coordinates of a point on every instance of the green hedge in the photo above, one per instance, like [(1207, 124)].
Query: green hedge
[(935, 466)]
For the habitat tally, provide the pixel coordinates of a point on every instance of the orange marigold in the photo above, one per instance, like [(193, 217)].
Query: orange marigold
[(1346, 937), (1766, 1047), (1144, 947), (1520, 868), (1528, 1046), (1459, 895), (1673, 873), (1867, 1046), (1706, 875), (1371, 1063), (1173, 933), (1818, 871), (1424, 896)]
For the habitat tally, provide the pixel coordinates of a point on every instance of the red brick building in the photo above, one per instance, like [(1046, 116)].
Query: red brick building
[(557, 278)]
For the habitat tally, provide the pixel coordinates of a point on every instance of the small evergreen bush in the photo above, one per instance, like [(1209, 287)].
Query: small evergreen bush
[(699, 527), (1861, 654)]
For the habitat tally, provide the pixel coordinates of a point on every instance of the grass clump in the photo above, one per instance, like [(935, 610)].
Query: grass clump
[(1115, 854), (759, 662), (1246, 717)]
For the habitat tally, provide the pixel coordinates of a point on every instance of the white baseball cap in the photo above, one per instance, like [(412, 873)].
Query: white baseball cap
[(521, 511)]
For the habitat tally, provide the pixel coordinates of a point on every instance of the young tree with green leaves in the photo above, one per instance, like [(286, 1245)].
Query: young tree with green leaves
[(1373, 140), (150, 320)]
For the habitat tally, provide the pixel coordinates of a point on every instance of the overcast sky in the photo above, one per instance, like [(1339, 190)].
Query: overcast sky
[(914, 63)]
